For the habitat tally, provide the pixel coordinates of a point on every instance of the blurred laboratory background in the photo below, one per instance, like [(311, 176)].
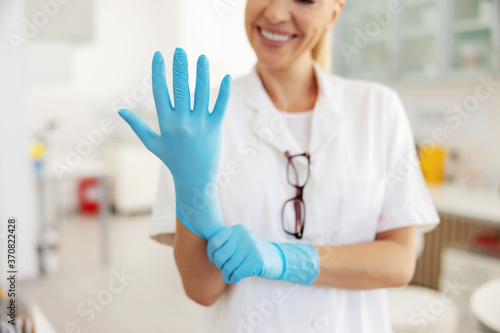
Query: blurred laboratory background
[(81, 186)]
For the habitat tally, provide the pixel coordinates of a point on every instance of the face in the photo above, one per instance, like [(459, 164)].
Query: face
[(283, 32)]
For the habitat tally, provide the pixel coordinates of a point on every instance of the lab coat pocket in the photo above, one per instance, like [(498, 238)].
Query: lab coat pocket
[(361, 206)]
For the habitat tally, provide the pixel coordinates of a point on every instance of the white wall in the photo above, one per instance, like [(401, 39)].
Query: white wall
[(79, 84), (16, 177), (219, 32)]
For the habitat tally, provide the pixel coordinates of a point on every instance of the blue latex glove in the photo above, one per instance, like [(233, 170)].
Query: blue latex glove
[(239, 253), (190, 140)]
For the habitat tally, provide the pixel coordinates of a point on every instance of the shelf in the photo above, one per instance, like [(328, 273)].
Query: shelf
[(369, 6), (420, 3), (472, 25), (418, 32), (463, 74), (429, 32), (379, 40), (412, 76)]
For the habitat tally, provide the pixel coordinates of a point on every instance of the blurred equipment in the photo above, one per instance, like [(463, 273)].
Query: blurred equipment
[(432, 162), (485, 305), (487, 244), (48, 238), (93, 178), (88, 196), (465, 271), (453, 166)]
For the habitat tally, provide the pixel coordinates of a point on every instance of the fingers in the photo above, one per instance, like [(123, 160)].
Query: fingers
[(182, 99), (160, 89), (202, 91), (218, 240), (222, 100), (245, 269), (232, 264), (141, 129), (226, 252)]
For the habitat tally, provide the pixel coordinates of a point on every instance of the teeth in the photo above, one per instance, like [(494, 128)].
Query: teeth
[(275, 37)]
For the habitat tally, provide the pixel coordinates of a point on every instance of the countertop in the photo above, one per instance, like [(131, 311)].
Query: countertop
[(459, 200)]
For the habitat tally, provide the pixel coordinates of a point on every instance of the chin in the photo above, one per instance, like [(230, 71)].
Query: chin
[(271, 60)]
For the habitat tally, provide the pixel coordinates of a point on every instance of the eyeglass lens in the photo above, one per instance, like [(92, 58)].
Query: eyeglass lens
[(293, 215), (298, 170)]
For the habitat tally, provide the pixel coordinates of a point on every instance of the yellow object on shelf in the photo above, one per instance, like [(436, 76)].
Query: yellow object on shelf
[(432, 162), (37, 150)]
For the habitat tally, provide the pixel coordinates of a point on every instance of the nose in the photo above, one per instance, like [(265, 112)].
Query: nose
[(277, 11)]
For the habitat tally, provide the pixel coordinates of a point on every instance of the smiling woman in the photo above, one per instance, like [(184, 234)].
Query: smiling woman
[(265, 247), (283, 33)]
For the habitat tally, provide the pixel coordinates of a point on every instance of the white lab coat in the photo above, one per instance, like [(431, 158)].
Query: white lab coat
[(364, 179)]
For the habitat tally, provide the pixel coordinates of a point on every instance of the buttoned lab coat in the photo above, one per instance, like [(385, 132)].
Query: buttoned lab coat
[(364, 179)]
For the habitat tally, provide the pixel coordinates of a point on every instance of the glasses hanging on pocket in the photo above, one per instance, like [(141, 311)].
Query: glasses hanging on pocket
[(293, 213)]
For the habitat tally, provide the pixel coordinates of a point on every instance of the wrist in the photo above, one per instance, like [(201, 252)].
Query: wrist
[(280, 263), (199, 211), (204, 224), (196, 189), (300, 263), (195, 200)]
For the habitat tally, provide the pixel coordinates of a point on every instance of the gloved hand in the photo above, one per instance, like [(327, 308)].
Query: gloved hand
[(190, 140), (239, 253)]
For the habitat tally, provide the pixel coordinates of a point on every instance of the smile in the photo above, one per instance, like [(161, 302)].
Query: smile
[(274, 37)]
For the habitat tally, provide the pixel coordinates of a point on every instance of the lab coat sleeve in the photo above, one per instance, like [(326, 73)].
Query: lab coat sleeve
[(163, 221), (407, 200)]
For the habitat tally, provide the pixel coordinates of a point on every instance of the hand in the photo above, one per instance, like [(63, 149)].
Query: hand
[(240, 253), (190, 140)]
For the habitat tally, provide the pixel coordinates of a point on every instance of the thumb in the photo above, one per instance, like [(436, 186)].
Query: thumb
[(145, 133)]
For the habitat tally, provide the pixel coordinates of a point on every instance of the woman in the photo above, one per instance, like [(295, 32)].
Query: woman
[(320, 192)]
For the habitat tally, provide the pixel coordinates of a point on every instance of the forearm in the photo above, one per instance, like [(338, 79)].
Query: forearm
[(383, 263), (202, 280)]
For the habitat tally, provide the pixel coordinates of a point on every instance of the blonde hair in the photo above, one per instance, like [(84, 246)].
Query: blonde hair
[(321, 53)]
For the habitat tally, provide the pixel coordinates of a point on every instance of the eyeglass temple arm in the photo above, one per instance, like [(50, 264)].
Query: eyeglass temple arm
[(298, 211)]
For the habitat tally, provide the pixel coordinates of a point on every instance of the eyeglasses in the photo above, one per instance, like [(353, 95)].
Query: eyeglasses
[(297, 175)]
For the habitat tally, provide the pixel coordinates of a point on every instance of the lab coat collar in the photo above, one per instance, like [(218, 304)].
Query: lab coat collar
[(324, 123)]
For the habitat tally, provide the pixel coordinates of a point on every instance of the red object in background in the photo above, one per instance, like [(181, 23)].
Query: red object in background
[(487, 244), (88, 196)]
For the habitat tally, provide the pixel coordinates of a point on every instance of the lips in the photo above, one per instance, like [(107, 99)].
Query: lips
[(273, 37)]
